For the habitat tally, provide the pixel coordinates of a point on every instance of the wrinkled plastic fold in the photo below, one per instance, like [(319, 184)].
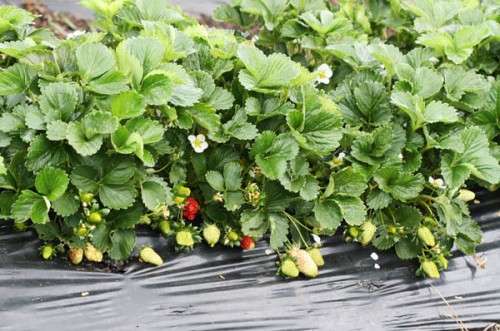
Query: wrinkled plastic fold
[(228, 289)]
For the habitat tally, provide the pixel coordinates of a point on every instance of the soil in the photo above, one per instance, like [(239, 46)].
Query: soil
[(63, 23), (60, 23)]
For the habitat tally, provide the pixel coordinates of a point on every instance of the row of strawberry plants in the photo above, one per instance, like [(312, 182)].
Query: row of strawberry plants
[(360, 119)]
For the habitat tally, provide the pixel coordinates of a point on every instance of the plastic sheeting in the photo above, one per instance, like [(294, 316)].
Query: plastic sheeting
[(227, 289)]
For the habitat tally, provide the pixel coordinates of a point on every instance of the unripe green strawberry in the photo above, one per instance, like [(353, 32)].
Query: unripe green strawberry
[(47, 252), (233, 236), (179, 200), (353, 232), (164, 227), (305, 263), (86, 198), (426, 236), (444, 261), (19, 227), (184, 238), (76, 255), (289, 269), (466, 195), (316, 256), (184, 191), (147, 254), (81, 231), (93, 254), (430, 269), (368, 233), (211, 234), (95, 217)]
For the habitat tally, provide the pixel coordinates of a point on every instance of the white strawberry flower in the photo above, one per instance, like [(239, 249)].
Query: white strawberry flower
[(316, 238), (75, 34), (341, 156), (324, 73), (198, 142), (437, 183)]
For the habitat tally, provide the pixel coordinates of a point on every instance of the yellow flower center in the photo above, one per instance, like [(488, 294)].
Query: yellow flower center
[(197, 143), (322, 75)]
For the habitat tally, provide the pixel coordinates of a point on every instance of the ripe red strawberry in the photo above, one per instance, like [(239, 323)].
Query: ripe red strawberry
[(191, 209), (247, 243)]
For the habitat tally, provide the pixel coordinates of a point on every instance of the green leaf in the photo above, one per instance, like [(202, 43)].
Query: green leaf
[(101, 237), (94, 60), (239, 127), (353, 210), (157, 89), (372, 149), (3, 169), (58, 101), (278, 226), (155, 191), (265, 73), (310, 191), (205, 116), (368, 104), (276, 198), (232, 176), (469, 236), (85, 178), (408, 216), (66, 205), (112, 82), (475, 159), (149, 52), (349, 182), (464, 41), (227, 13), (270, 11), (32, 206), (99, 122), (400, 185), (438, 111), (43, 153), (52, 183), (424, 82), (117, 196), (378, 199), (16, 79), (254, 223), (126, 218), (294, 178), (176, 43), (151, 131), (57, 130), (122, 243), (78, 140), (128, 105), (407, 249), (459, 83), (328, 214), (319, 131), (271, 153), (215, 179), (233, 200), (117, 170)]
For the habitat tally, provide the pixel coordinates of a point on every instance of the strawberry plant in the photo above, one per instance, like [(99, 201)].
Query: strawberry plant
[(363, 119)]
